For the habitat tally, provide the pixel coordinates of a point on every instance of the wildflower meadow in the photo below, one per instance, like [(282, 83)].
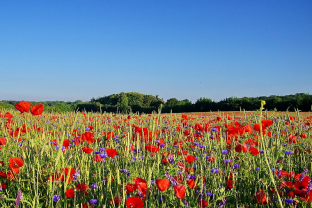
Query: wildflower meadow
[(254, 159)]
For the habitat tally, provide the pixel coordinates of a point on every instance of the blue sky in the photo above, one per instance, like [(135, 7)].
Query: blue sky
[(76, 50)]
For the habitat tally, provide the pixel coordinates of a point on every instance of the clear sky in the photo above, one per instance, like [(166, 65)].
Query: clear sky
[(76, 50)]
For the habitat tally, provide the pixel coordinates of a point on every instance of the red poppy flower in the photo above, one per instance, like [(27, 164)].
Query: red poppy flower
[(8, 115), (261, 197), (109, 135), (117, 200), (191, 183), (66, 143), (88, 136), (3, 141), (83, 187), (165, 161), (203, 203), (12, 174), (86, 205), (141, 185), (70, 171), (257, 127), (162, 184), (130, 188), (248, 129), (3, 185), (70, 193), (36, 109), (240, 148), (16, 162), (303, 136), (111, 152), (229, 185), (23, 106), (254, 151), (190, 158), (211, 159), (87, 150), (3, 174), (134, 202), (151, 148), (179, 191), (97, 158), (266, 123), (55, 177)]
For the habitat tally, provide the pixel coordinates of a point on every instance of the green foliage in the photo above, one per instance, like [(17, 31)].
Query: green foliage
[(137, 102)]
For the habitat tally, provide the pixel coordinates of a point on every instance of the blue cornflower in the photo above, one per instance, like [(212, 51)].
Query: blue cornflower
[(289, 201), (227, 160), (214, 170), (93, 201), (224, 152), (209, 194), (55, 198), (236, 166), (192, 177), (257, 168), (93, 186), (103, 155)]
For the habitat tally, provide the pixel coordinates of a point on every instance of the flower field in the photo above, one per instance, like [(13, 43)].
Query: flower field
[(251, 159)]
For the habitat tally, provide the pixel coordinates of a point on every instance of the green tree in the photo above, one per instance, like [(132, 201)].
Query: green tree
[(123, 102), (172, 102)]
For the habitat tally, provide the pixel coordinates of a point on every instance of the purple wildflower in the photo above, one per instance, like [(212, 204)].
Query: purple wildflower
[(309, 188), (171, 179), (18, 198), (305, 171), (185, 202)]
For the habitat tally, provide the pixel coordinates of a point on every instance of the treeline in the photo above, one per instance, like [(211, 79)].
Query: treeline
[(137, 102)]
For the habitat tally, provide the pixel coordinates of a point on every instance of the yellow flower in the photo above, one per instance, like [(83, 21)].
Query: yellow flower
[(262, 104)]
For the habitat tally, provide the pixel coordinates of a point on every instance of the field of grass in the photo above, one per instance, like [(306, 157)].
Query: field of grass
[(214, 159)]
